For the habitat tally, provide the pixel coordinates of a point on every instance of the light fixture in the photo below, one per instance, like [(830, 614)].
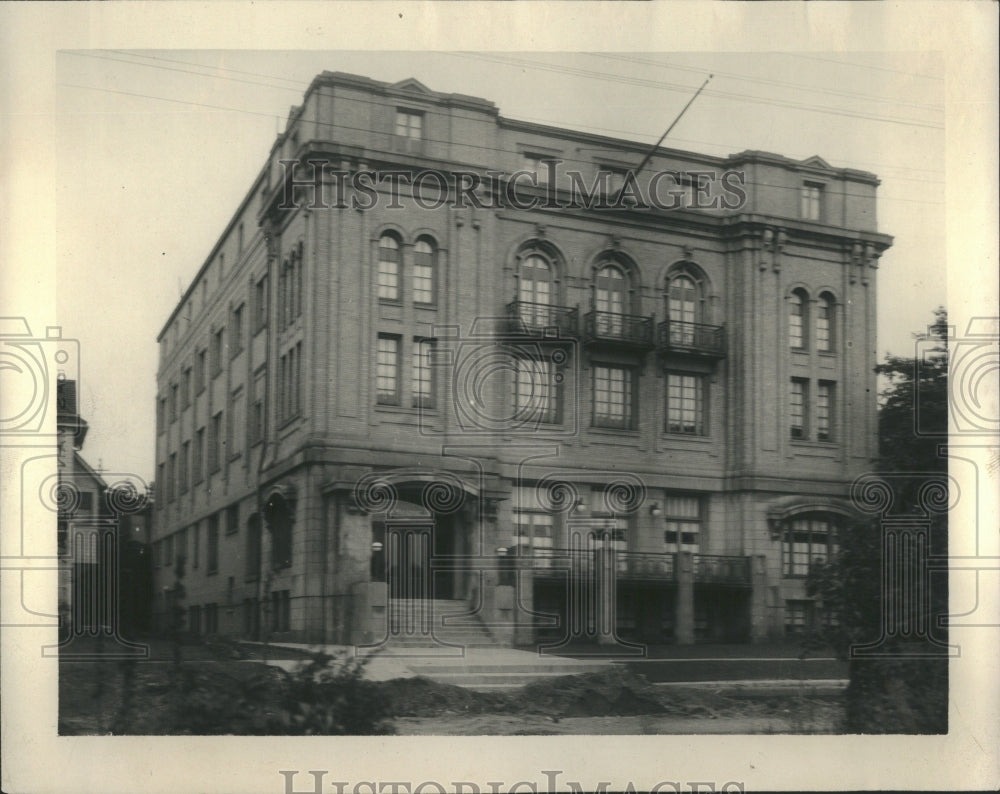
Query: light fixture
[(578, 508), (654, 509), (501, 551), (376, 546)]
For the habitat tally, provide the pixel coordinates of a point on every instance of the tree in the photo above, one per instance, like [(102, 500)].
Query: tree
[(903, 688)]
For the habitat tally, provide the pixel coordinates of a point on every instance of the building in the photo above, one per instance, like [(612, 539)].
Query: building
[(635, 420)]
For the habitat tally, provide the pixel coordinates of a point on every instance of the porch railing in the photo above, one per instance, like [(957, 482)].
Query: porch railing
[(721, 569), (542, 319), (693, 338), (708, 568)]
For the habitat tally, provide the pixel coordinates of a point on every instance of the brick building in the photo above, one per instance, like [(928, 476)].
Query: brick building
[(631, 418)]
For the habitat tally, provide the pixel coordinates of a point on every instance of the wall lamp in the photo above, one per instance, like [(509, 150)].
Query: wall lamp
[(654, 509), (578, 507)]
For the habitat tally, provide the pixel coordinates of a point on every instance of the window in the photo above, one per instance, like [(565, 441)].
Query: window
[(824, 409), (281, 611), (807, 539), (423, 374), (798, 616), (181, 548), (195, 545), (613, 397), (812, 198), (614, 532), (173, 401), (257, 415), (534, 534), (253, 547), (161, 482), (423, 272), (260, 295), (211, 618), (538, 164), (387, 370), (183, 474), (610, 301), (233, 519), (237, 423), (168, 550), (236, 332), (536, 391), (612, 180), (161, 414), (198, 459), (824, 324), (409, 124), (388, 268), (218, 350), (290, 384), (171, 473), (797, 407), (796, 319), (199, 371), (239, 238), (686, 404), (279, 517), (684, 309), (212, 558), (186, 388), (683, 523), (215, 444), (535, 291)]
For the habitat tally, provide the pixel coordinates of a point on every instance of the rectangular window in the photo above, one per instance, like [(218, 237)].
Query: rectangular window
[(185, 457), (174, 390), (423, 374), (215, 444), (808, 540), (218, 351), (686, 404), (812, 198), (168, 550), (409, 124), (198, 459), (161, 483), (257, 416), (236, 332), (212, 558), (200, 370), (181, 549), (260, 303), (195, 545), (233, 519), (538, 164), (186, 388), (797, 407), (211, 618), (683, 523), (613, 397), (536, 391), (387, 370), (171, 473), (161, 414), (612, 180), (534, 535), (824, 410), (798, 616), (237, 423)]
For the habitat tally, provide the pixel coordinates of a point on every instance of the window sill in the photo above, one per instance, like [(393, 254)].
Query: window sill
[(810, 444)]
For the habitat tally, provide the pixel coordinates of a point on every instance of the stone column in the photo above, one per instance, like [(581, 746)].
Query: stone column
[(759, 628)]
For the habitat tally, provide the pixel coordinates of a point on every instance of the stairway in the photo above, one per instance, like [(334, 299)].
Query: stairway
[(423, 622)]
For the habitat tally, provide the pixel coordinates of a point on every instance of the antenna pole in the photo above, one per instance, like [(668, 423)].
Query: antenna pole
[(656, 146)]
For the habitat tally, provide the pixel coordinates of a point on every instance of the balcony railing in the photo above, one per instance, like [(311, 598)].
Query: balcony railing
[(718, 569), (542, 319), (629, 330), (693, 338), (630, 565)]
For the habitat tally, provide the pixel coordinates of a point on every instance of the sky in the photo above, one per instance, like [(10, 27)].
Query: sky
[(155, 149)]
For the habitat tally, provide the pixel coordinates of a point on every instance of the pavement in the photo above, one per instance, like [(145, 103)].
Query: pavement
[(743, 667)]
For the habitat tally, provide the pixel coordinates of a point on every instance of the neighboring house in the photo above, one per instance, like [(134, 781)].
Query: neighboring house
[(567, 422)]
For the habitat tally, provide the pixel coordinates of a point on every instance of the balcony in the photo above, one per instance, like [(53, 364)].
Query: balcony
[(609, 329), (718, 569), (542, 320), (693, 339)]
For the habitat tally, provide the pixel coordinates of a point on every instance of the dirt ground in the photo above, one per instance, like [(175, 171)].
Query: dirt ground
[(241, 696)]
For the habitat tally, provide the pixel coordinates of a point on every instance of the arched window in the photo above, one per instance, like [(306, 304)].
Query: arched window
[(824, 323), (535, 291), (388, 268), (797, 319), (684, 308), (424, 265), (610, 300), (808, 538)]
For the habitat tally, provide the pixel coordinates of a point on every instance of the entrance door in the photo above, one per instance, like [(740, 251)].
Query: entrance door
[(408, 558)]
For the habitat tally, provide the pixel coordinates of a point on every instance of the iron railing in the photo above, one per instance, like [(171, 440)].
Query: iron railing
[(632, 330), (542, 319), (693, 338), (631, 565), (721, 569)]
